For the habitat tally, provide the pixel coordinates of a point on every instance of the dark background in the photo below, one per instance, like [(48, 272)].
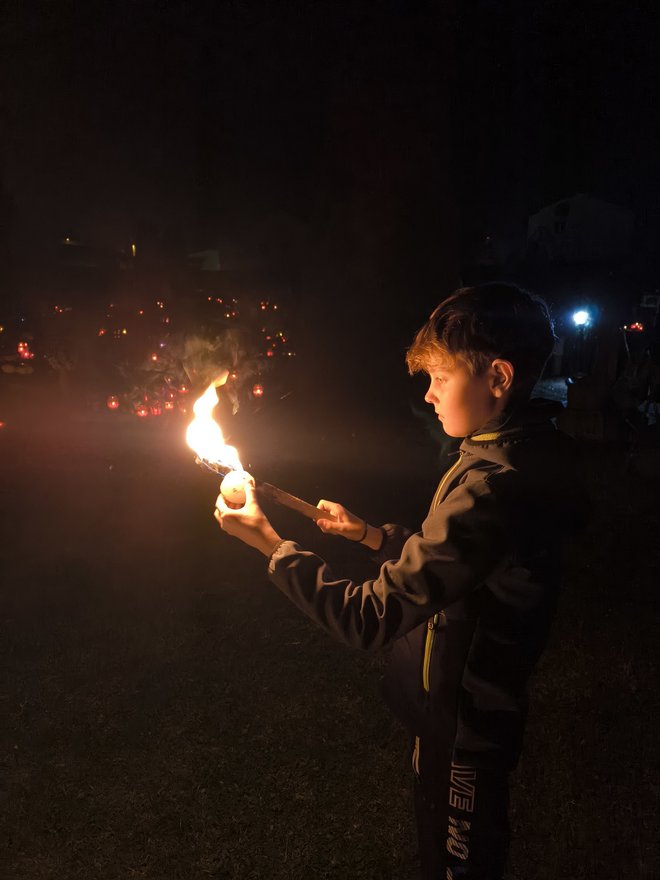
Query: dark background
[(168, 715), (362, 150)]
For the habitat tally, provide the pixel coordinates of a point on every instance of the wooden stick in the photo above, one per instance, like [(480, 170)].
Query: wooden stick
[(266, 490), (291, 501)]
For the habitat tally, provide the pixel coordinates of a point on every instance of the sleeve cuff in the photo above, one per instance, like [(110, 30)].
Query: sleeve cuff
[(279, 550)]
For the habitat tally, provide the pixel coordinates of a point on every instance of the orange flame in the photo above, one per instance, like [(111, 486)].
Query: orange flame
[(204, 435)]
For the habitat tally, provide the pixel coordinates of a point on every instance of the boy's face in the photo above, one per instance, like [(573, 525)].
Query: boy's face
[(464, 402)]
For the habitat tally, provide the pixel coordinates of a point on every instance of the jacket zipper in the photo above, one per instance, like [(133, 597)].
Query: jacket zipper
[(435, 620), (443, 481), (438, 621), (431, 627), (434, 623)]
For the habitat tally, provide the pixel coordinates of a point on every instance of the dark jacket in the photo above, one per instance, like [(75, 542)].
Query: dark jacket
[(467, 602)]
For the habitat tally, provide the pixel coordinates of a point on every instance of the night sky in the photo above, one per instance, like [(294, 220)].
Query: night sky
[(388, 137)]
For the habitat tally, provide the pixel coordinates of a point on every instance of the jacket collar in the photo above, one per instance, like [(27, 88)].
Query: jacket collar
[(532, 417)]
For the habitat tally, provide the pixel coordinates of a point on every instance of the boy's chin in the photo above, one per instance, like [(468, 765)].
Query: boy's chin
[(451, 432)]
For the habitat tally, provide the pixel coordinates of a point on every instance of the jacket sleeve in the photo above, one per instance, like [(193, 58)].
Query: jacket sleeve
[(461, 543), (394, 537)]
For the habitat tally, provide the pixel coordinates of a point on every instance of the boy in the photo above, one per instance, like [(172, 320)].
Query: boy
[(466, 603)]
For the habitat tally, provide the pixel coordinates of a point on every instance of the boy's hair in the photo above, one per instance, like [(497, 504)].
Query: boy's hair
[(481, 323)]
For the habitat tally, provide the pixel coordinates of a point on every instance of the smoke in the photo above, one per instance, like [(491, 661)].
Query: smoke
[(199, 359), (203, 359)]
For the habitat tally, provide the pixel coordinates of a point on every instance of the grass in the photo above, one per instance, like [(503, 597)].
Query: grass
[(167, 714)]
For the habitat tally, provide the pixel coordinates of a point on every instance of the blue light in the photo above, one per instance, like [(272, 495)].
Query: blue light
[(581, 318)]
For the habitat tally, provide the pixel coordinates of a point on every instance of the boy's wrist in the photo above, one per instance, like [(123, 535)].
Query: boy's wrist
[(374, 538), (268, 541)]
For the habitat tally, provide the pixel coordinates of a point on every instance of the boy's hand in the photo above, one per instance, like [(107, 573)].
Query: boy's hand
[(345, 523), (247, 523)]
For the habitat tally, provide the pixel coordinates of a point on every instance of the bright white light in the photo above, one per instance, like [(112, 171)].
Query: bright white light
[(581, 318)]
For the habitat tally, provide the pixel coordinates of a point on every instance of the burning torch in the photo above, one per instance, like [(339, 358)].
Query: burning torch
[(205, 438)]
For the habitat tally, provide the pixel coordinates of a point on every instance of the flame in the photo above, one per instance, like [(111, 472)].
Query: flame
[(204, 435)]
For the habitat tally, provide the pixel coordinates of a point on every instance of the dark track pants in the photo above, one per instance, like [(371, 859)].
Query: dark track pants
[(462, 818)]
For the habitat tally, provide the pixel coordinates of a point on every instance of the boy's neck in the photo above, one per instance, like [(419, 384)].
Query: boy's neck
[(507, 416)]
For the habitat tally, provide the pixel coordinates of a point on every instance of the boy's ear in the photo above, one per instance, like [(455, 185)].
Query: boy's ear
[(501, 377)]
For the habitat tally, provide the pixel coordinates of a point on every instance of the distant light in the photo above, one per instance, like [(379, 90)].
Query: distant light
[(154, 356), (155, 409), (637, 326), (581, 318), (101, 331), (169, 405), (133, 249), (113, 402), (2, 329), (141, 312), (142, 411), (24, 352), (124, 331), (270, 353), (258, 391)]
